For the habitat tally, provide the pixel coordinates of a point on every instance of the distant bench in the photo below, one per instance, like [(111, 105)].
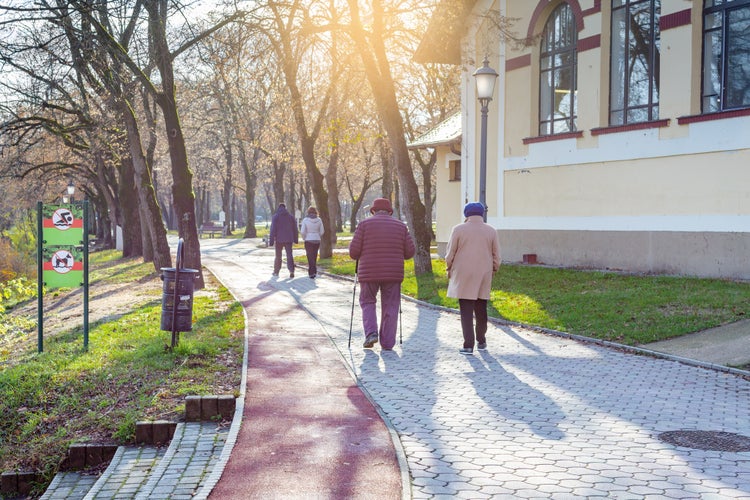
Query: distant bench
[(211, 230)]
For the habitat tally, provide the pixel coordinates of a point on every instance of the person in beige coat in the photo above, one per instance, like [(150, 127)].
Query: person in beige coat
[(473, 256)]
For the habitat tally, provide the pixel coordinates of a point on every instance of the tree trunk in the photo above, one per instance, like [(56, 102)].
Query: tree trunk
[(386, 163), (334, 209), (107, 181), (130, 219), (308, 135), (226, 190), (147, 243), (320, 195), (377, 68), (146, 195), (427, 168), (251, 182), (182, 191), (291, 197), (182, 177)]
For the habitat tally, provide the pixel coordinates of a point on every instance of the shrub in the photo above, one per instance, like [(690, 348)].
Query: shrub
[(16, 290), (18, 251)]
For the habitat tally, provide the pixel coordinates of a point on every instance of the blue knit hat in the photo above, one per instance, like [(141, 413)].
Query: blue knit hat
[(474, 208)]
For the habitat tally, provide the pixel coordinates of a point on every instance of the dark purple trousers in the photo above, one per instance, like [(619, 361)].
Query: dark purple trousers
[(390, 302)]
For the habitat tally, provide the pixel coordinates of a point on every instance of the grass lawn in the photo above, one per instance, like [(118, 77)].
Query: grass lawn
[(629, 309), (67, 395)]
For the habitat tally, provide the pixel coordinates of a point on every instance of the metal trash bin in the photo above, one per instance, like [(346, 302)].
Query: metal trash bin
[(180, 313)]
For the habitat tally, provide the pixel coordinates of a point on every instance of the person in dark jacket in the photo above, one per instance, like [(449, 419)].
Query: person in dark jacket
[(283, 234), (381, 244)]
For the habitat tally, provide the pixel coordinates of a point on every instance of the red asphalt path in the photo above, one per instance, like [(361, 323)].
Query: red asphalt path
[(308, 431)]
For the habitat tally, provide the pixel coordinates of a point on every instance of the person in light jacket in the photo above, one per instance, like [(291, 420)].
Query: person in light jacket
[(473, 256), (312, 230), (283, 234), (380, 246)]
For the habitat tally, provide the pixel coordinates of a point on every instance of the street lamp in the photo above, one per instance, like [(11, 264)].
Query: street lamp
[(71, 190), (485, 82)]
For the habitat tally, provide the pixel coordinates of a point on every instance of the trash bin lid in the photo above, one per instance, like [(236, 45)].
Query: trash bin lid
[(183, 270)]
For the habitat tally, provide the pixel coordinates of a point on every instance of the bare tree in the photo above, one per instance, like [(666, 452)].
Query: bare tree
[(73, 103), (371, 46), (302, 58), (242, 80), (162, 56)]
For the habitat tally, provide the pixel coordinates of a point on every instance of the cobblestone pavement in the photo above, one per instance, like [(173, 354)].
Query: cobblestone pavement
[(535, 415), (180, 471)]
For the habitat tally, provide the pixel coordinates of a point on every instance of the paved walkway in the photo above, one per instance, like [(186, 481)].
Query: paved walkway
[(309, 431), (183, 470), (727, 345), (534, 416)]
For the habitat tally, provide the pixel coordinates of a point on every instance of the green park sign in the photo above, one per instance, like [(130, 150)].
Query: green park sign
[(62, 254)]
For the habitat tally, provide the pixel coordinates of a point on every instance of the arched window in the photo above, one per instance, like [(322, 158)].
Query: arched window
[(726, 55), (557, 76), (634, 63)]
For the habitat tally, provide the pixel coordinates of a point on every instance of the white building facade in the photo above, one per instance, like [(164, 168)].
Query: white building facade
[(618, 135)]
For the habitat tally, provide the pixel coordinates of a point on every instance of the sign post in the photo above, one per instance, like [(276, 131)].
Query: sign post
[(63, 256)]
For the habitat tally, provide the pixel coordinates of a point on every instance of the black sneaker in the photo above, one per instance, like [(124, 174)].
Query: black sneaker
[(370, 340), (291, 275), (482, 346), (466, 350)]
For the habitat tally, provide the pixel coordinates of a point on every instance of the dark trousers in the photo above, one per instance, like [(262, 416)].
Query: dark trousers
[(311, 250), (289, 258), (469, 310)]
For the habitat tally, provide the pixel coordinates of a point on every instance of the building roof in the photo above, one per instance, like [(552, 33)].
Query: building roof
[(443, 134), (442, 41)]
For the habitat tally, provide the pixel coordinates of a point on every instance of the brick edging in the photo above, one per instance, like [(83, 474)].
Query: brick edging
[(208, 408), (18, 483), (159, 432)]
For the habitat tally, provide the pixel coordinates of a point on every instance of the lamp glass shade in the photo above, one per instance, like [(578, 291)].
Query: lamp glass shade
[(71, 188), (485, 81)]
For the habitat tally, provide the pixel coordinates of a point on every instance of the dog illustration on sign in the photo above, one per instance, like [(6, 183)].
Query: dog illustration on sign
[(62, 261)]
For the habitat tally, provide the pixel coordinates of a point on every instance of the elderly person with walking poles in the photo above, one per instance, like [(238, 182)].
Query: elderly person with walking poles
[(472, 257), (380, 246)]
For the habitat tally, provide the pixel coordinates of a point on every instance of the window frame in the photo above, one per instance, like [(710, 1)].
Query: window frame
[(720, 9), (627, 112), (547, 124), (454, 170)]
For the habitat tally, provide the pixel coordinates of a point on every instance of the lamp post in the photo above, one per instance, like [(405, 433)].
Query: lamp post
[(485, 81), (71, 190)]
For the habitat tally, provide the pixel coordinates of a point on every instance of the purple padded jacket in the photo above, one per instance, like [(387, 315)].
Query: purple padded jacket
[(381, 244)]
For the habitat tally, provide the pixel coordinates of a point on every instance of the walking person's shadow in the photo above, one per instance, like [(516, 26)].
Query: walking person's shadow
[(510, 397)]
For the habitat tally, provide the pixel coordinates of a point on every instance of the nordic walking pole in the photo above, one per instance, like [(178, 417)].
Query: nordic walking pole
[(354, 292), (400, 323)]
